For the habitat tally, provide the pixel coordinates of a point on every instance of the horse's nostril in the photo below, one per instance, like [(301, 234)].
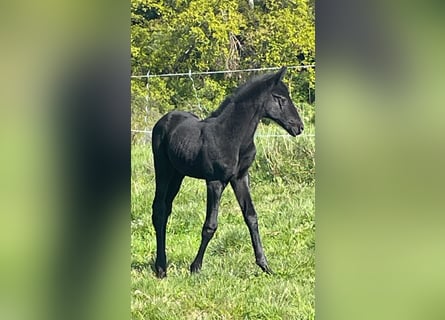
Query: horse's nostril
[(301, 127)]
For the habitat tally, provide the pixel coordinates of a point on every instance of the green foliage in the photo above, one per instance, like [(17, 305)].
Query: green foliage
[(204, 35), (284, 160)]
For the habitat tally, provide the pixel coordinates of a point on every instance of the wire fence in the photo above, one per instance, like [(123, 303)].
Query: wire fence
[(147, 132), (190, 73)]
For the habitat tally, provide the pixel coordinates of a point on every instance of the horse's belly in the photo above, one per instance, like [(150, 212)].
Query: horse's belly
[(198, 164), (202, 168), (195, 152)]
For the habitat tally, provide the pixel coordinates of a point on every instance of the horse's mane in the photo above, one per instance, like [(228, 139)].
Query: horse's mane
[(252, 87)]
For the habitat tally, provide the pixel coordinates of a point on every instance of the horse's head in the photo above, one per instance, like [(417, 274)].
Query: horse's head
[(279, 106)]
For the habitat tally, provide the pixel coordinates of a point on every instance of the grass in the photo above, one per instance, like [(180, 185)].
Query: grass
[(230, 285)]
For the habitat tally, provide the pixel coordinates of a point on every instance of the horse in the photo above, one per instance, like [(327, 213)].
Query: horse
[(219, 149)]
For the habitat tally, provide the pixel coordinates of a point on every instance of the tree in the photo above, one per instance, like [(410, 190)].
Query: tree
[(179, 35)]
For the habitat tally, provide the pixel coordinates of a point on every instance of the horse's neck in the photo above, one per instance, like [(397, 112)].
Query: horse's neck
[(240, 121)]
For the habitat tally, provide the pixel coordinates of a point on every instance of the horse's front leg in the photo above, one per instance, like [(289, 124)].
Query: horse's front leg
[(242, 192), (214, 192)]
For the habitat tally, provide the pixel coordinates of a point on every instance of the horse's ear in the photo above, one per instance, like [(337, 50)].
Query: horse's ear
[(280, 75)]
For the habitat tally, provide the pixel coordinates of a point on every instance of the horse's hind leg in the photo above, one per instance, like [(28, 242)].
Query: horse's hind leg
[(173, 189), (168, 182), (159, 219)]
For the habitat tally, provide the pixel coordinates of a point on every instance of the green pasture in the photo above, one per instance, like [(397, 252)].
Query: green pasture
[(230, 285)]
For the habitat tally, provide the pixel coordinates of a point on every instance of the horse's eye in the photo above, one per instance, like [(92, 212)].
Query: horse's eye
[(280, 99)]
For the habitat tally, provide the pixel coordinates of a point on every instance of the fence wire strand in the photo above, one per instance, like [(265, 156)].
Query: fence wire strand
[(190, 74), (194, 90), (260, 135), (147, 100)]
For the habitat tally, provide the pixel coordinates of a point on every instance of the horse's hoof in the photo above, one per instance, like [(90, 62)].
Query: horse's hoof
[(267, 270), (195, 268), (161, 273)]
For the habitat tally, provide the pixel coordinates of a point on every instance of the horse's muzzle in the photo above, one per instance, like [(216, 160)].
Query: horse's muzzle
[(295, 129)]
